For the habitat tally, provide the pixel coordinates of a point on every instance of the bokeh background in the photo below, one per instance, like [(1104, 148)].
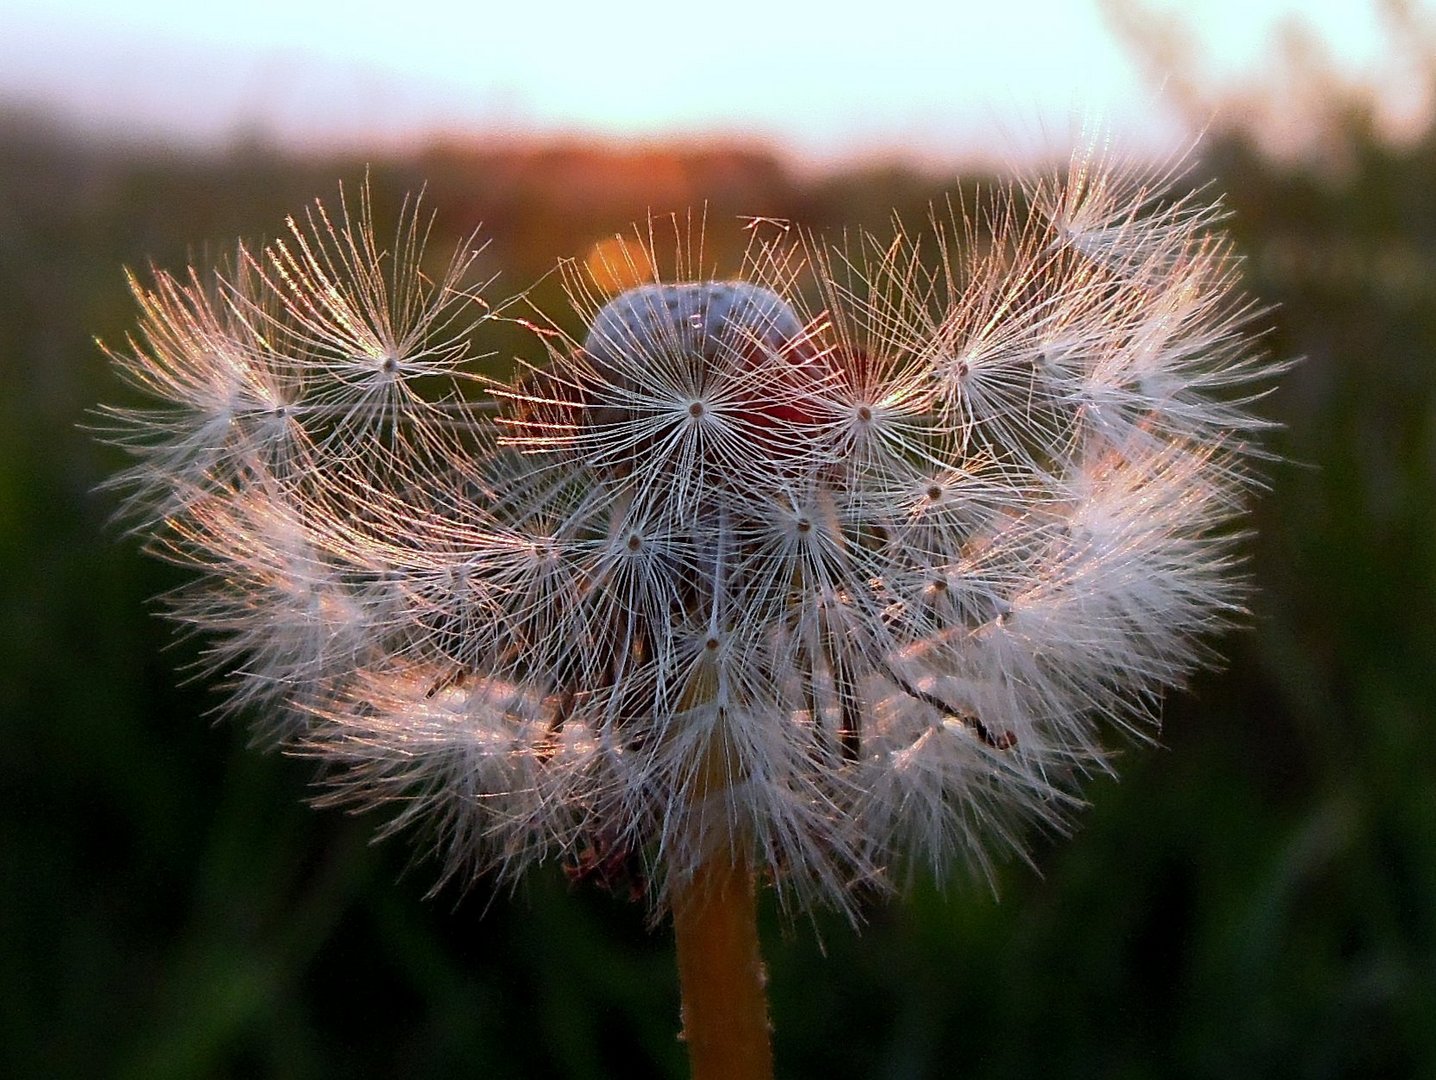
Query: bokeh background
[(1254, 898)]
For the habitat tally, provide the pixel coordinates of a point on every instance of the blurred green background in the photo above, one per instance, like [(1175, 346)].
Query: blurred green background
[(1255, 898)]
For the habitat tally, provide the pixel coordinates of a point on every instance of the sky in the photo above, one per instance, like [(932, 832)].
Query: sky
[(916, 78)]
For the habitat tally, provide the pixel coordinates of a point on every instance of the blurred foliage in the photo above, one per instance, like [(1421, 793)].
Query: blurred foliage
[(1256, 898)]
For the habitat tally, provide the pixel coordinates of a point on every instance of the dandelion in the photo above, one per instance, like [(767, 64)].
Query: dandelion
[(836, 570)]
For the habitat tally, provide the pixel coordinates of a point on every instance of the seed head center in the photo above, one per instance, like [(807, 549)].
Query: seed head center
[(693, 343)]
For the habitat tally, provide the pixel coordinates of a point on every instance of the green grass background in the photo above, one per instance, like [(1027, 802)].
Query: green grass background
[(1254, 898)]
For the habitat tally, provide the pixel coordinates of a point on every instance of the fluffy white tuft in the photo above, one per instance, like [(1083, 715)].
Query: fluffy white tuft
[(848, 562)]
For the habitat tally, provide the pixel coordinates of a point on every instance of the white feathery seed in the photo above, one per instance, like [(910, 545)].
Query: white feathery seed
[(852, 563)]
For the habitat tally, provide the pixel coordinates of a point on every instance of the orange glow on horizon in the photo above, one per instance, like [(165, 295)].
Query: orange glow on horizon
[(617, 263)]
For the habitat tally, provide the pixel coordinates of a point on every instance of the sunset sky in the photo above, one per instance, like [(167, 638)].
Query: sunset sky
[(916, 77)]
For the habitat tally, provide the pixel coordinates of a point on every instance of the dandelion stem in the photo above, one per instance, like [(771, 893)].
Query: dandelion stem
[(715, 922), (720, 972)]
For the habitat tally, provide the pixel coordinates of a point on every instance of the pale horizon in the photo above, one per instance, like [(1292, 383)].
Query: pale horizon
[(926, 84)]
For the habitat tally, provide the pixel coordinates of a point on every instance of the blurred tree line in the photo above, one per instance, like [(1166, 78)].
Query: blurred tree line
[(1255, 898)]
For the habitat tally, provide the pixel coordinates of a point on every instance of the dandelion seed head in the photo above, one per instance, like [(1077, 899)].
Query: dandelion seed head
[(853, 562)]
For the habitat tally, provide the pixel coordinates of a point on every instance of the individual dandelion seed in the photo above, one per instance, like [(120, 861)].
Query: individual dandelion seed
[(810, 577)]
